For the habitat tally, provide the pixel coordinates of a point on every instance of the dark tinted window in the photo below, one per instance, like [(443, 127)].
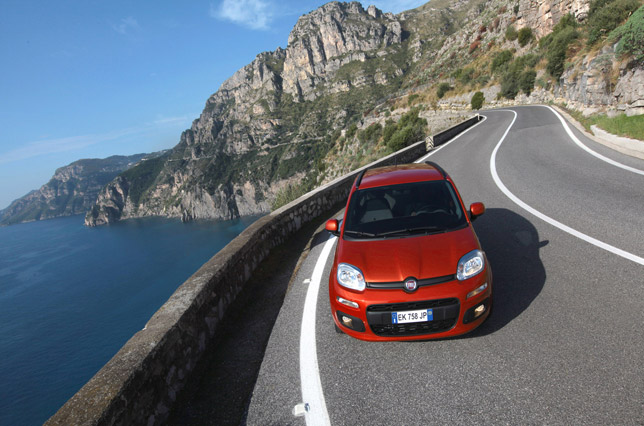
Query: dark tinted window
[(402, 210)]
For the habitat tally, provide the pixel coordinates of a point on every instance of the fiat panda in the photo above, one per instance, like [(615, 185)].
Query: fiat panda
[(408, 264)]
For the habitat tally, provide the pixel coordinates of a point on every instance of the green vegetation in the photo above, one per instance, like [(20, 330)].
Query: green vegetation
[(142, 176), (631, 36), (371, 134), (621, 125), (525, 36), (511, 33), (526, 81), (519, 75), (606, 15), (477, 100), (288, 194), (410, 129), (555, 45), (500, 60), (465, 75), (442, 89)]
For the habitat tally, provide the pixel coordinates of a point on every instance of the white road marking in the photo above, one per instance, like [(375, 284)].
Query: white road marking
[(312, 393), (588, 150), (548, 219), (434, 151)]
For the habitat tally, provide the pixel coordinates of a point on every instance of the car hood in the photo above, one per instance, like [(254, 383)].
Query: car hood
[(421, 257)]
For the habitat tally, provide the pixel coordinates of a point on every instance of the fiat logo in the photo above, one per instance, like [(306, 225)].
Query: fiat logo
[(411, 284)]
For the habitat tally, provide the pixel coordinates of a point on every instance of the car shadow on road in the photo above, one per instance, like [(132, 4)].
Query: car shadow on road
[(512, 244)]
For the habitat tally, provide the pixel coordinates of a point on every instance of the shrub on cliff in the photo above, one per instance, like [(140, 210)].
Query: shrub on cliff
[(526, 81), (525, 36), (411, 128), (442, 89), (371, 134), (606, 15), (511, 33), (510, 84), (631, 36), (556, 44), (477, 100), (501, 59)]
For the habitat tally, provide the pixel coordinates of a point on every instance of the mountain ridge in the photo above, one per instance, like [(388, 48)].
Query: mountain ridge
[(71, 190), (331, 100)]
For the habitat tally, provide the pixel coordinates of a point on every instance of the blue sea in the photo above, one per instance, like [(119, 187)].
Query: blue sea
[(71, 296)]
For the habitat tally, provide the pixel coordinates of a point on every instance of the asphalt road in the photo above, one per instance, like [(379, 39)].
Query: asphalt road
[(565, 344)]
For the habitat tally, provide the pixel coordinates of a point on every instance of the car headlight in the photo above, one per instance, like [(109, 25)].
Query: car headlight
[(350, 277), (470, 264)]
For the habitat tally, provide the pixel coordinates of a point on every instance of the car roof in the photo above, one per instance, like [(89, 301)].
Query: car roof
[(404, 173)]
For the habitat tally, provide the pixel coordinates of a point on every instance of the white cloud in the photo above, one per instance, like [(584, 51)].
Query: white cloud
[(174, 121), (73, 143), (254, 14), (126, 25)]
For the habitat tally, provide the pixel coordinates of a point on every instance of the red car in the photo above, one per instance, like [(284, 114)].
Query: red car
[(408, 264)]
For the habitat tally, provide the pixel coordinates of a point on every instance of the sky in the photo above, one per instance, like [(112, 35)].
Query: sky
[(90, 79)]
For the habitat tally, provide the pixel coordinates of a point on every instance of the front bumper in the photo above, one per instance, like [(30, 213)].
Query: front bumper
[(453, 314)]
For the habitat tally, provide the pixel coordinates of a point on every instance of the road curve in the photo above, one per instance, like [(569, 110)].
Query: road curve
[(565, 342)]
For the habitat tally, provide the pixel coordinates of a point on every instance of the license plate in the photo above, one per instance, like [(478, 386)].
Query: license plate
[(421, 315)]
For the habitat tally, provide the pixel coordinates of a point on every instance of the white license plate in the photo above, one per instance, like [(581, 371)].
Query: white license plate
[(421, 315)]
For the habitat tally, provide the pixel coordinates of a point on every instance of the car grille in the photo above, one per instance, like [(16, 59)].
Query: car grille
[(410, 306), (446, 312), (413, 328)]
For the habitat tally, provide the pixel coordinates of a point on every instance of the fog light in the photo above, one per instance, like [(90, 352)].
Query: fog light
[(476, 291), (476, 311), (479, 311), (350, 321), (348, 303)]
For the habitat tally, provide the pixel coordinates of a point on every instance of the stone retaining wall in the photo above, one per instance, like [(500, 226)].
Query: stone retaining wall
[(141, 382), (442, 137)]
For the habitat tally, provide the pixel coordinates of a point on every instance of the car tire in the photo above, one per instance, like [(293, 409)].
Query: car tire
[(338, 329)]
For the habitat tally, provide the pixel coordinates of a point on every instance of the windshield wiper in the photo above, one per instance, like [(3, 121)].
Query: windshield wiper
[(426, 229), (359, 233)]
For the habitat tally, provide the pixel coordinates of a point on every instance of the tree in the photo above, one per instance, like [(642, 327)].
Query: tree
[(477, 100)]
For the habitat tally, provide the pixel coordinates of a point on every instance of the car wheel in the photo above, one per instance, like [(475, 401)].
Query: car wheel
[(338, 329)]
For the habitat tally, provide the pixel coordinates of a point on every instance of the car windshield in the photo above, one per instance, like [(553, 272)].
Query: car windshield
[(402, 210)]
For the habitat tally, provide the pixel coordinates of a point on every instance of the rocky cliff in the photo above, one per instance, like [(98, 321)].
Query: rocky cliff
[(287, 121), (267, 125), (71, 190)]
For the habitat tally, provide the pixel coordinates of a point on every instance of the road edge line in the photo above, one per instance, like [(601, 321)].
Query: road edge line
[(434, 151), (551, 221), (311, 384), (579, 143)]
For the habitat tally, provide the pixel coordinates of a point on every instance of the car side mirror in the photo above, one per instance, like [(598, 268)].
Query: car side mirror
[(476, 210), (333, 226)]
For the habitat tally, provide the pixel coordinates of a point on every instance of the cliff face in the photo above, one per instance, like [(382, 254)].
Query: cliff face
[(265, 127), (330, 37), (275, 123), (72, 190), (543, 15)]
